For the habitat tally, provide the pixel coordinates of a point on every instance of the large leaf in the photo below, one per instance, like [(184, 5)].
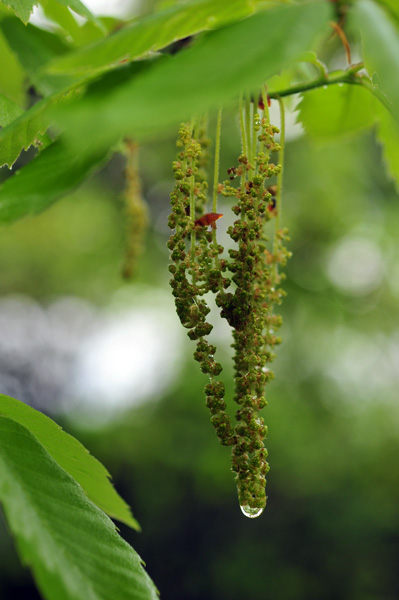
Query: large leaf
[(152, 33), (70, 544), (337, 110), (71, 456), (380, 40), (220, 65), (22, 8), (54, 173)]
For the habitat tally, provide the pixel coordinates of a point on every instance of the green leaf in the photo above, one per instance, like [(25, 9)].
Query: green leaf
[(54, 173), (83, 11), (12, 76), (220, 65), (70, 544), (392, 6), (34, 48), (62, 16), (72, 456), (388, 136), (22, 8), (337, 110), (380, 41), (27, 128), (152, 33), (9, 111)]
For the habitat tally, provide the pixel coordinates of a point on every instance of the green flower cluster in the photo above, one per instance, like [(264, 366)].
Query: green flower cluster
[(253, 273), (249, 309), (193, 255)]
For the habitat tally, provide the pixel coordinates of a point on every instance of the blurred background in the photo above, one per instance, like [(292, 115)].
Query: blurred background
[(109, 361)]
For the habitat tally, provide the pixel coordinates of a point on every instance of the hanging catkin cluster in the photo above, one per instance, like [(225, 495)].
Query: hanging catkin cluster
[(136, 212), (251, 273)]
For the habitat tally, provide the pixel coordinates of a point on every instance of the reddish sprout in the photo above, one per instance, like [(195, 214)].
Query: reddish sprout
[(208, 219)]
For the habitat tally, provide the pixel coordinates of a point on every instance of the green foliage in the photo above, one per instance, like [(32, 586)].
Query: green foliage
[(82, 10), (9, 111), (11, 74), (337, 110), (34, 47), (388, 135), (71, 456), (73, 548), (54, 173), (151, 34), (215, 69), (25, 127), (381, 50), (22, 8)]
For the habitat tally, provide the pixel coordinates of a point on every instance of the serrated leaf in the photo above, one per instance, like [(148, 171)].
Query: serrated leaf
[(337, 110), (152, 33), (215, 69), (54, 173), (388, 136), (22, 8), (27, 128), (380, 41), (72, 456), (70, 544)]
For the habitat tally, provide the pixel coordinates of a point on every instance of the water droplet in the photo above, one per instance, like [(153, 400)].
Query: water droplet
[(250, 512)]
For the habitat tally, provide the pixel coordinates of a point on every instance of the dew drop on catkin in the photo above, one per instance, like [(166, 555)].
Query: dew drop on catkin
[(251, 513)]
